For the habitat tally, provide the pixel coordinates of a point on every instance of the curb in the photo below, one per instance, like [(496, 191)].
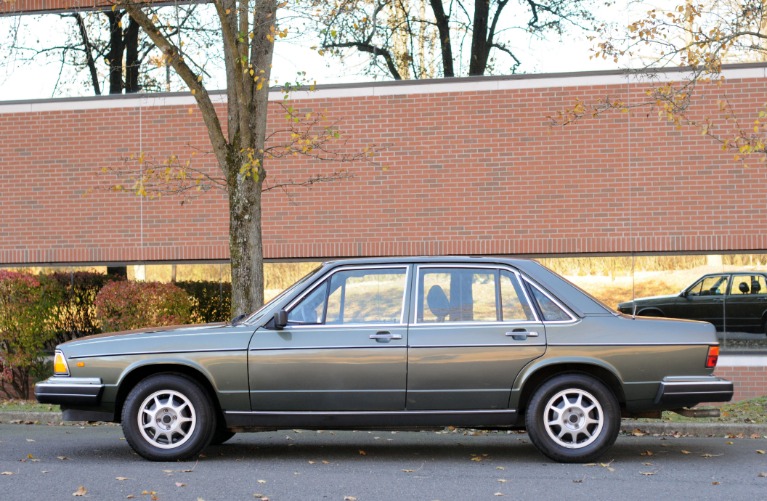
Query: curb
[(629, 427)]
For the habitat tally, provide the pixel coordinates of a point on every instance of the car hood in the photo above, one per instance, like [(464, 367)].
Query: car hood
[(650, 299), (176, 339)]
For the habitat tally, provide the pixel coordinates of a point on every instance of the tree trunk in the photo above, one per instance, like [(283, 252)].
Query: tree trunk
[(245, 245), (115, 54), (132, 64), (480, 50), (443, 26)]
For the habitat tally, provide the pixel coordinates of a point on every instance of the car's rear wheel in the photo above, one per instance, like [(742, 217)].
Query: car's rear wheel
[(168, 417), (573, 418)]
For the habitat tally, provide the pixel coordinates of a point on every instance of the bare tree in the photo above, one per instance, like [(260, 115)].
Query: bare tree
[(432, 38), (107, 51)]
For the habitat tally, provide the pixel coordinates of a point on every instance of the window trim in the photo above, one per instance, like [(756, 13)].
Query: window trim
[(325, 280)]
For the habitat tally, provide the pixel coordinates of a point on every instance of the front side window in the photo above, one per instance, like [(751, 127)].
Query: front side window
[(710, 286), (353, 297), (470, 295)]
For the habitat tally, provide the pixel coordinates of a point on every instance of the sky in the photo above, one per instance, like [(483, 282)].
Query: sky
[(23, 81)]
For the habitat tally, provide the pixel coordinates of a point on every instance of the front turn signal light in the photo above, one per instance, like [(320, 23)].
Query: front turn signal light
[(713, 357), (60, 367)]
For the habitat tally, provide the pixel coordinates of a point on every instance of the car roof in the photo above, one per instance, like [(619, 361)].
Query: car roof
[(579, 301)]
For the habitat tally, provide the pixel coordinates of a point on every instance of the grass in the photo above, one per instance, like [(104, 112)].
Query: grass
[(26, 406)]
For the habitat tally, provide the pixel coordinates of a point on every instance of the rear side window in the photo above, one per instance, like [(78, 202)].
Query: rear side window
[(470, 295)]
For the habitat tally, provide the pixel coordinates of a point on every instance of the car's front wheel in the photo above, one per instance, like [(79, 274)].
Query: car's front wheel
[(573, 418), (168, 417)]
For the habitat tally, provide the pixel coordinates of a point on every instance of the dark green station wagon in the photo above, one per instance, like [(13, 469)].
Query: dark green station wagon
[(411, 343)]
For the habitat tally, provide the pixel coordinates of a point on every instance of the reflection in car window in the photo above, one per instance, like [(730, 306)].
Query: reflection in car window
[(549, 309), (470, 295), (354, 296), (514, 302)]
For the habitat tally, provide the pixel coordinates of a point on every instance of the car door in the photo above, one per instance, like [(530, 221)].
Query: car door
[(746, 303), (344, 347), (704, 300), (472, 331)]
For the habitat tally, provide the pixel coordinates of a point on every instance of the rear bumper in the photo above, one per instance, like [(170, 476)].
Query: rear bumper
[(69, 391), (689, 391)]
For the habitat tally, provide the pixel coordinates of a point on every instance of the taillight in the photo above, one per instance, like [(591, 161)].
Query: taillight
[(713, 357)]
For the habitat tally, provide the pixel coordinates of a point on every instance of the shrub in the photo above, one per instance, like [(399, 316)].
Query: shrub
[(132, 305), (213, 300), (75, 315), (26, 306)]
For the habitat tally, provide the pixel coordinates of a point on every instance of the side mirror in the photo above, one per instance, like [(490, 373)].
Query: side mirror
[(280, 319)]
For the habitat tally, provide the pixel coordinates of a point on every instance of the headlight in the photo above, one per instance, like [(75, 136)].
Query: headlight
[(60, 367)]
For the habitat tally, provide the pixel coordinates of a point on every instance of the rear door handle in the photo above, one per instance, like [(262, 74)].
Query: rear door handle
[(385, 337), (521, 334)]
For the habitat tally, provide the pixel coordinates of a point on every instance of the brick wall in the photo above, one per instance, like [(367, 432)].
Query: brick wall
[(466, 166), (748, 373)]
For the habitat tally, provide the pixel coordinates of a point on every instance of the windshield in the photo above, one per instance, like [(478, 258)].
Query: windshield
[(256, 315)]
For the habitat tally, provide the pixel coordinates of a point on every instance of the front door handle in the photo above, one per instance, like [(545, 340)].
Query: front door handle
[(521, 334), (384, 336)]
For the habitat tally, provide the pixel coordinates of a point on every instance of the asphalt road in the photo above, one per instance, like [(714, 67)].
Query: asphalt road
[(51, 463)]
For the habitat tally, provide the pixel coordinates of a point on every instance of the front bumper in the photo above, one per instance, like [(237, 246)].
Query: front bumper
[(69, 391), (689, 391)]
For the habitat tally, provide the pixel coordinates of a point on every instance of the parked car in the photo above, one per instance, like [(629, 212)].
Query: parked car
[(735, 301), (398, 342)]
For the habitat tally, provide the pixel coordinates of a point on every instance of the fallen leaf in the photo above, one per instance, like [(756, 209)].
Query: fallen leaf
[(80, 492), (7, 473), (408, 471), (762, 474), (647, 473), (502, 480), (363, 453), (760, 451), (180, 484), (715, 483), (500, 468), (62, 458), (350, 498), (684, 451), (638, 433), (30, 440), (647, 453), (709, 456), (121, 478), (580, 481), (130, 496), (498, 494)]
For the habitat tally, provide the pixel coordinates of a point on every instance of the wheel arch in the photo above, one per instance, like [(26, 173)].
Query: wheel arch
[(650, 311), (137, 374), (528, 383)]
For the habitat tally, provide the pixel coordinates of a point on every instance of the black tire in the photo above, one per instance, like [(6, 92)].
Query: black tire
[(573, 418), (168, 417)]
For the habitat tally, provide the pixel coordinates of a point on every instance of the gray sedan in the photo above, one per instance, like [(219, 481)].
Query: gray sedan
[(396, 343)]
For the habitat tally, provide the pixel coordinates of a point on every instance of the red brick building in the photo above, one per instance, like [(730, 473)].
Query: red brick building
[(464, 166)]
